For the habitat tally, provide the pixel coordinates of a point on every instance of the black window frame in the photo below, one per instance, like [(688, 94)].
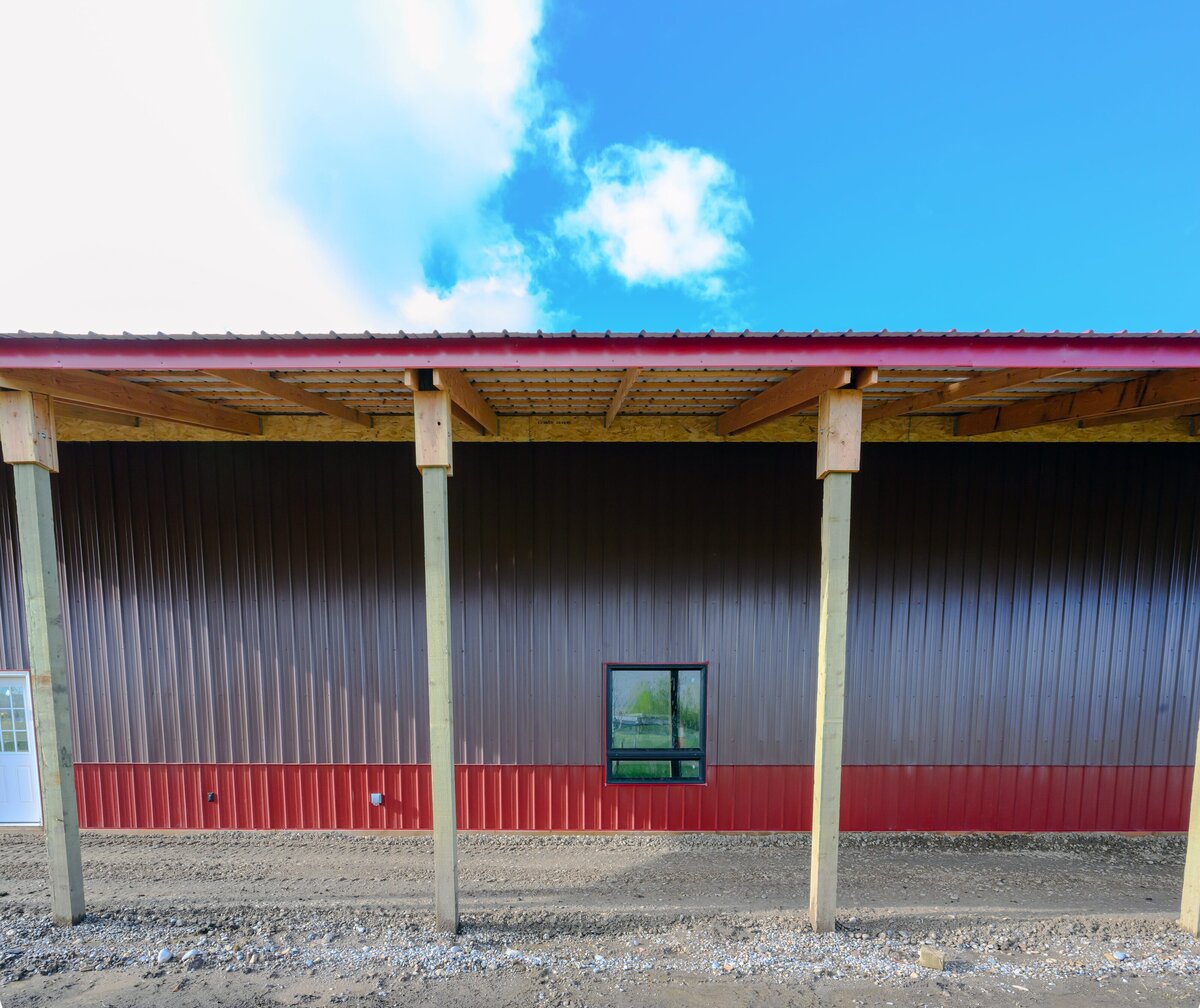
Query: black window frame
[(674, 756)]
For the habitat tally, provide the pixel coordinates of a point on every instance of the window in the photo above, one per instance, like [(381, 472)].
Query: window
[(656, 723), (14, 732)]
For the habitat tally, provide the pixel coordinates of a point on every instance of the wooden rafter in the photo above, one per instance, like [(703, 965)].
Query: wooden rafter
[(992, 381), (74, 411), (1135, 416), (261, 381), (465, 401), (783, 398), (622, 393), (1168, 388), (105, 392)]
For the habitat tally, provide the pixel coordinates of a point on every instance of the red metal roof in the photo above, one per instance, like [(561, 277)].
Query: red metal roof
[(609, 334), (986, 349)]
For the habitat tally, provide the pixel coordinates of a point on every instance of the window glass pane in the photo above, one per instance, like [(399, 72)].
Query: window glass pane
[(656, 710), (6, 720), (689, 701), (654, 770), (7, 742), (643, 770), (22, 742), (641, 709), (647, 770)]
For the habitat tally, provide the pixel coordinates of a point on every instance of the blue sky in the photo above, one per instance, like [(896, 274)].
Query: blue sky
[(925, 165), (510, 164)]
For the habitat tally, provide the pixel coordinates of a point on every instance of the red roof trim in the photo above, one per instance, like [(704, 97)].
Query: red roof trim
[(1083, 350)]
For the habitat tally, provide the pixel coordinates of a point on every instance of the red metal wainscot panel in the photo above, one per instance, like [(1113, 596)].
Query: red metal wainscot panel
[(576, 798)]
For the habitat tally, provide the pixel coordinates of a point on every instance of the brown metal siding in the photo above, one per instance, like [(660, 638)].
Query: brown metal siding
[(1025, 604), (12, 614), (566, 559), (262, 603), (253, 606)]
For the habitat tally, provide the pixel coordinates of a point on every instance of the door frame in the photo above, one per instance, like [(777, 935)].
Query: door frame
[(33, 749)]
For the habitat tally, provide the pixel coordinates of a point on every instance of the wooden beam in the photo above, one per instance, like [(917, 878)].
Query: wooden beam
[(865, 377), (73, 411), (783, 398), (432, 416), (47, 646), (106, 392), (622, 393), (1167, 388), (839, 430), (292, 392), (1189, 911), (990, 381)]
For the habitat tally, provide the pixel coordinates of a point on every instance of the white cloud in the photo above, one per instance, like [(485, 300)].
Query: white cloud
[(144, 187), (659, 214), (463, 75), (263, 164), (504, 290), (558, 137), (129, 195)]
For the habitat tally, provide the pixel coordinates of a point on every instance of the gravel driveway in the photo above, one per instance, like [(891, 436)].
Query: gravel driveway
[(326, 918)]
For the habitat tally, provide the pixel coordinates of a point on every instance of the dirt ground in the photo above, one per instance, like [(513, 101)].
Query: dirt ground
[(207, 919)]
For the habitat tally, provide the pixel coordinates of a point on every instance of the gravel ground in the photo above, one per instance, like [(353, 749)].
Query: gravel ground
[(324, 919)]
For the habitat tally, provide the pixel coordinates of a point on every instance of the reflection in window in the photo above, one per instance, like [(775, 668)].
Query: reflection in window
[(656, 723)]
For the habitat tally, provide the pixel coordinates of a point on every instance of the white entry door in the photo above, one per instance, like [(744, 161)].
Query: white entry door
[(20, 798)]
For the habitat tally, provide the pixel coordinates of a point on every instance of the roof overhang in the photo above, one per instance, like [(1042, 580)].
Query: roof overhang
[(602, 350)]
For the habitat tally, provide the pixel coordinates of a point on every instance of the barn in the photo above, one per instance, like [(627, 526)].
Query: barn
[(592, 582)]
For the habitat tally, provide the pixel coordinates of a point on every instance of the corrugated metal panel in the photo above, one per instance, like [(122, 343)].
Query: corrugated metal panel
[(12, 614), (1025, 604), (565, 559), (262, 603), (288, 796), (243, 606)]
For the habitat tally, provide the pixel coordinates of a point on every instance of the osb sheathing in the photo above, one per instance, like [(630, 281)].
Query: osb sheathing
[(639, 428)]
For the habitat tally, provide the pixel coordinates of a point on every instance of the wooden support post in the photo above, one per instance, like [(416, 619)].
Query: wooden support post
[(839, 437), (1189, 913), (28, 440), (432, 411)]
